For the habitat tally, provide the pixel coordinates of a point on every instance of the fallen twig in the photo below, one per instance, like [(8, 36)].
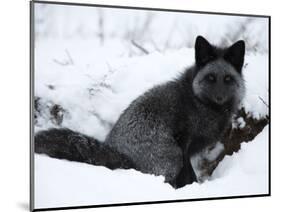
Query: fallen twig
[(264, 102), (140, 47)]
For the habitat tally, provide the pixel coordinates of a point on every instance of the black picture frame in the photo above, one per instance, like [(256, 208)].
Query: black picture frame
[(31, 107)]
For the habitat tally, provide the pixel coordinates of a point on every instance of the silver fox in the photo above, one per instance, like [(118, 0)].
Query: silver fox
[(164, 127)]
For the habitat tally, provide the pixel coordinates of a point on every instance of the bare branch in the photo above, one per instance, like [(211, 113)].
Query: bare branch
[(101, 26), (66, 63), (264, 102), (140, 47), (69, 57)]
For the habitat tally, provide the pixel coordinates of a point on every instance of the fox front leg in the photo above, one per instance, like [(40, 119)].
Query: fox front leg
[(186, 174)]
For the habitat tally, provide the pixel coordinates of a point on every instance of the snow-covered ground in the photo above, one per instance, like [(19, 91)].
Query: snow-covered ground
[(95, 82), (60, 183)]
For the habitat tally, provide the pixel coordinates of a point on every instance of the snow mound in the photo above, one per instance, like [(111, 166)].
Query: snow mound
[(99, 87)]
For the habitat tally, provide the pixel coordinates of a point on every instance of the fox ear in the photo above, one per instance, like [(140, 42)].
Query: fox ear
[(204, 51), (235, 55)]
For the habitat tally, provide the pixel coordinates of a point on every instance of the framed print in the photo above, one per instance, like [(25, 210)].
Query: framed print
[(144, 105)]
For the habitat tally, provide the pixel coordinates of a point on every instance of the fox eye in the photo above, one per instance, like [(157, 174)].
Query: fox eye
[(211, 78), (228, 78)]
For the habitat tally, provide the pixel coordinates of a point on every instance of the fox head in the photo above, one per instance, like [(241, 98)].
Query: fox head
[(218, 78)]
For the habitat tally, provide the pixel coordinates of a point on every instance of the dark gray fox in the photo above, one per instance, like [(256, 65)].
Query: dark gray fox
[(164, 127)]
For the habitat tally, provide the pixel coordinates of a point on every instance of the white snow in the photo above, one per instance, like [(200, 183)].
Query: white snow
[(60, 183), (239, 123), (94, 82)]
